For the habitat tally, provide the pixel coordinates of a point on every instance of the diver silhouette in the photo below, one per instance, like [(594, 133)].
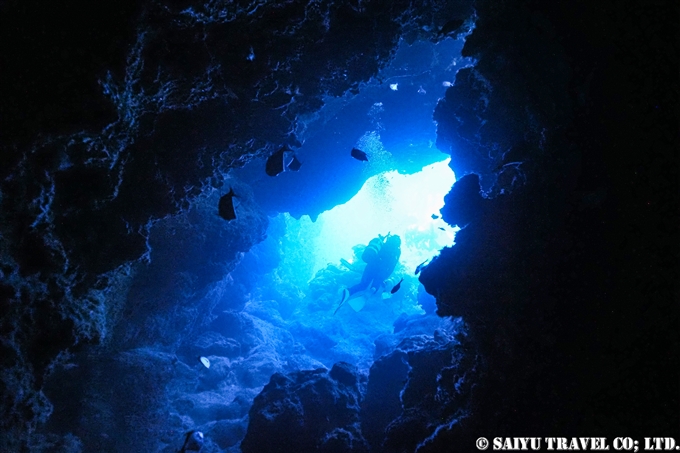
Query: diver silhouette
[(381, 257)]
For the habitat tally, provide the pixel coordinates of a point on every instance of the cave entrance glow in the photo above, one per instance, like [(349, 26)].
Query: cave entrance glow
[(388, 202), (310, 266)]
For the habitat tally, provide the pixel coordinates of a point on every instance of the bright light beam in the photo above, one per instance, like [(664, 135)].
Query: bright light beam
[(388, 202)]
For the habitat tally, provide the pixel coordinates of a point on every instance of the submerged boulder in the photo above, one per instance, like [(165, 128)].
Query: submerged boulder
[(315, 410), (421, 387)]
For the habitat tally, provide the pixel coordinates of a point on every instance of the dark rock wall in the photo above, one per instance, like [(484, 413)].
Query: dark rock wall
[(567, 283), (417, 390)]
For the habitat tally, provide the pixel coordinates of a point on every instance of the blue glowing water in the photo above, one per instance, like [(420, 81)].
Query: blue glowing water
[(387, 203), (310, 265)]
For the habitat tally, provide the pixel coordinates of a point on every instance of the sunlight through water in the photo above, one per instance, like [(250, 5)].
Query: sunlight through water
[(387, 203)]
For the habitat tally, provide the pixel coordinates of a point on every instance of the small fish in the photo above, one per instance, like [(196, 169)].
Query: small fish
[(345, 296), (442, 228), (275, 163), (421, 90), (396, 287), (225, 208), (294, 164), (450, 27), (205, 361), (421, 266), (435, 216), (359, 155), (446, 83), (394, 86)]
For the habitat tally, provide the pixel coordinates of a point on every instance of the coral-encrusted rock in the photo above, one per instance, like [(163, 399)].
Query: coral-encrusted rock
[(213, 343), (382, 403), (345, 374), (308, 411), (416, 390), (226, 433), (464, 203)]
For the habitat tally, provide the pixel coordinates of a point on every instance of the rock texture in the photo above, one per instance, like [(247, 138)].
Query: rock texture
[(316, 410)]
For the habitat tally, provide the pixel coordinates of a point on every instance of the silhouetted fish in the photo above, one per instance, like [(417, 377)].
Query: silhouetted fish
[(345, 296), (442, 228), (294, 164), (435, 216), (359, 155), (275, 163), (225, 209), (282, 160), (421, 266), (450, 27), (396, 287)]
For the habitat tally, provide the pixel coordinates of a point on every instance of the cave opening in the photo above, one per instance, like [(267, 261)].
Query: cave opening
[(405, 205), (323, 216), (139, 315), (274, 309), (304, 265)]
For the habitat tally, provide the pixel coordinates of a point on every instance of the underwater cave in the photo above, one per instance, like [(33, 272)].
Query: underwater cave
[(326, 226)]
